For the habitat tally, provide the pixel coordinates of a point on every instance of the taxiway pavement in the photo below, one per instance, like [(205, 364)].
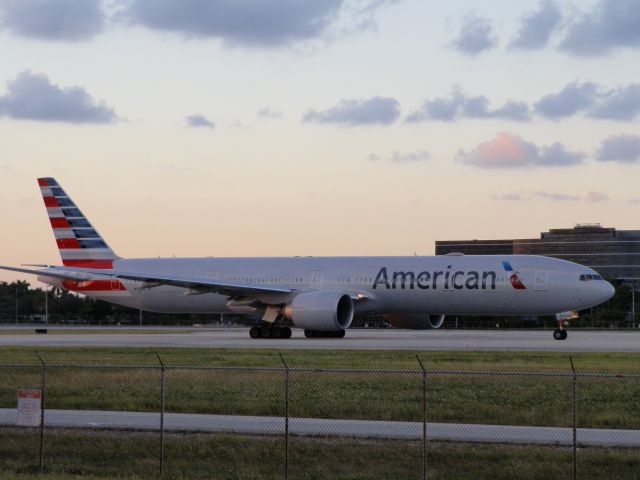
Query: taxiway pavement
[(455, 432), (356, 339)]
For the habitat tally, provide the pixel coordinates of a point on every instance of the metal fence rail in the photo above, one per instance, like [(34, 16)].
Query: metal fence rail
[(192, 421)]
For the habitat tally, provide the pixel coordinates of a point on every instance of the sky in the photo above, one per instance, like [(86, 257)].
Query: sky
[(325, 127)]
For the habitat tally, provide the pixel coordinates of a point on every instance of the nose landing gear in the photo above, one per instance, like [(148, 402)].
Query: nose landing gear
[(560, 333)]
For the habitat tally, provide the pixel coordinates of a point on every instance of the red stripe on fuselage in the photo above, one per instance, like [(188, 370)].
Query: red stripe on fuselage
[(50, 202), (100, 264), (94, 286), (59, 222), (67, 243)]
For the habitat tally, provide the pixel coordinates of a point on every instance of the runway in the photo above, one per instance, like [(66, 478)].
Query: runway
[(356, 339), (454, 432)]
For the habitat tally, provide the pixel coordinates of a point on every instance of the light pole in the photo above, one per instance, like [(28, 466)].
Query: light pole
[(630, 284), (16, 302), (46, 305), (633, 306)]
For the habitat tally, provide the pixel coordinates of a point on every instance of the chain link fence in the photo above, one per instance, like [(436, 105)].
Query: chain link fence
[(179, 421)]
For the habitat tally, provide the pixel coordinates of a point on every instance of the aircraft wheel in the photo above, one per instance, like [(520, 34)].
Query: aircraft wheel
[(265, 332), (341, 334), (559, 334), (564, 334), (276, 332), (286, 332), (254, 332), (309, 333)]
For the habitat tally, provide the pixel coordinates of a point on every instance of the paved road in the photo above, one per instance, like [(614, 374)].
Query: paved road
[(97, 419), (514, 340)]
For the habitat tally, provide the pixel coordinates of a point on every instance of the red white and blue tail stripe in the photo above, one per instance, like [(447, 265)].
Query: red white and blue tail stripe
[(79, 243)]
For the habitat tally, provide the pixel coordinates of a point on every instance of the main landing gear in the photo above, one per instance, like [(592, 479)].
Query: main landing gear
[(270, 331), (560, 333)]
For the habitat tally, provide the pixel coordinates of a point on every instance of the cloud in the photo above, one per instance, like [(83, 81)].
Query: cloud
[(590, 196), (612, 24), (510, 197), (621, 103), (375, 110), (33, 97), (267, 112), (595, 101), (620, 148), (397, 157), (555, 197), (536, 27), (475, 36), (478, 107), (573, 98), (459, 104), (60, 20), (443, 108), (256, 23), (197, 120), (511, 151)]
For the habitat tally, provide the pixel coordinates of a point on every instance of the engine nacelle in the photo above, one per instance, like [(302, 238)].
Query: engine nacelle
[(435, 321), (415, 321), (321, 310)]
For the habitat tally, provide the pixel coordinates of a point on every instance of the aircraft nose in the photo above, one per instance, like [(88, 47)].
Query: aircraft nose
[(608, 291)]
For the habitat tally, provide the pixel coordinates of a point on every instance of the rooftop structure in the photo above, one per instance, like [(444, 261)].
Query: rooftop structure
[(613, 253)]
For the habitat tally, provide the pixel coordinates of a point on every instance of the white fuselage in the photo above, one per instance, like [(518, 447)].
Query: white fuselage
[(445, 285)]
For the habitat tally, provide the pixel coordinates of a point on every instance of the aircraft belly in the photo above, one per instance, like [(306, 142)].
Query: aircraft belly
[(461, 302), (177, 300)]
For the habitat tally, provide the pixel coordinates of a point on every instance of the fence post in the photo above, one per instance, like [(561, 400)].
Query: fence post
[(573, 406), (286, 417), (161, 415), (42, 397), (424, 418)]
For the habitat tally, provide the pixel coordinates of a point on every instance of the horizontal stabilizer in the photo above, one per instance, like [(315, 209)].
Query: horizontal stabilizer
[(52, 272)]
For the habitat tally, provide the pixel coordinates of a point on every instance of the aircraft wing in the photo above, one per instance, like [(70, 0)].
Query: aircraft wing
[(152, 280), (202, 284), (76, 276)]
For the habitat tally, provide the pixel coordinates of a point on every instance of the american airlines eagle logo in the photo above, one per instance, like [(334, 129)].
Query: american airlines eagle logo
[(514, 279)]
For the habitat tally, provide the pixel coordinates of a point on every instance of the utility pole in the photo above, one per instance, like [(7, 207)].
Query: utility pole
[(16, 302)]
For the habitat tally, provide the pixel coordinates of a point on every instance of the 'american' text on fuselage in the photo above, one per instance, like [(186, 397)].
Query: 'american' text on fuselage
[(448, 279)]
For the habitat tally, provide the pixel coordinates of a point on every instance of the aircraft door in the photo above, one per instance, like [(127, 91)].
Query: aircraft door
[(541, 281)]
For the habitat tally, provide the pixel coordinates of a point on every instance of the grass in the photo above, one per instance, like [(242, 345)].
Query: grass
[(616, 362), (605, 402), (602, 402), (93, 455)]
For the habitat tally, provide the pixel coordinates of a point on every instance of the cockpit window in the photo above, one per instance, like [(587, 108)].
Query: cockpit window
[(585, 277)]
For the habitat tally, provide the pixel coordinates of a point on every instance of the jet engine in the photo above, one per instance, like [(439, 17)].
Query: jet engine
[(435, 321), (321, 311), (415, 321)]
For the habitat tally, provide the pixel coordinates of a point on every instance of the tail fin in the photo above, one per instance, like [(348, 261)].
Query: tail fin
[(79, 243)]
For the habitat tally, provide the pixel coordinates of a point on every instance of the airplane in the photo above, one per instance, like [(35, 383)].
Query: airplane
[(321, 295)]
